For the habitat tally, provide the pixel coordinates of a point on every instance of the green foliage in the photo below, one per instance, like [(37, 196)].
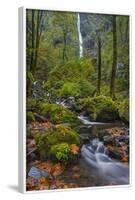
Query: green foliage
[(32, 104), (72, 71), (81, 89), (57, 113), (69, 89), (53, 142), (100, 108), (124, 110), (61, 151), (30, 117)]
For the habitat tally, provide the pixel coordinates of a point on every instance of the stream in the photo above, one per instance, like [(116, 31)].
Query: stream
[(96, 167)]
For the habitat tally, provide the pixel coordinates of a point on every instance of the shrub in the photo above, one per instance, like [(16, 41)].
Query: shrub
[(124, 110), (69, 89), (79, 89), (61, 152)]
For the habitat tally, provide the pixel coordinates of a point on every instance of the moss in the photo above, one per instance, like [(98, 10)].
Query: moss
[(63, 133), (124, 111), (51, 142), (100, 108), (30, 117), (57, 114)]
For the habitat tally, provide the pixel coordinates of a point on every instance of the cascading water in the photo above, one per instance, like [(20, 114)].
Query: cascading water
[(80, 36), (95, 155)]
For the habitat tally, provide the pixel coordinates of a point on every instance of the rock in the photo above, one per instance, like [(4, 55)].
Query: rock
[(85, 138), (108, 140), (37, 173), (113, 153), (75, 169)]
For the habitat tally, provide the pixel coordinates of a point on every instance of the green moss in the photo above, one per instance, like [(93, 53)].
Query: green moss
[(57, 114), (100, 108), (63, 133), (124, 110), (51, 142), (30, 117)]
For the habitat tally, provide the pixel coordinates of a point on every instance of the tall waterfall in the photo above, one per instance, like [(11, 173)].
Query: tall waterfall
[(80, 36)]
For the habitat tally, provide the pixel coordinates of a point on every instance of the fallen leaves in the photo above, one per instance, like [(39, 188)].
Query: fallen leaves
[(74, 149)]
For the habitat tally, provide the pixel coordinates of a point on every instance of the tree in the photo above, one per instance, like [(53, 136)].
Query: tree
[(99, 64), (64, 22), (114, 63)]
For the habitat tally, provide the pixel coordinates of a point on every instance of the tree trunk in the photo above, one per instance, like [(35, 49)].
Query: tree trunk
[(38, 34), (114, 64), (99, 65), (32, 41), (64, 47)]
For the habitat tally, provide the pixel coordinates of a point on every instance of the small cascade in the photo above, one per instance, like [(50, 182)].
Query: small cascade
[(95, 155), (86, 120), (80, 36)]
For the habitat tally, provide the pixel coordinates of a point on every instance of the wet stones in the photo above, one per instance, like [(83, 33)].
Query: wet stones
[(117, 143)]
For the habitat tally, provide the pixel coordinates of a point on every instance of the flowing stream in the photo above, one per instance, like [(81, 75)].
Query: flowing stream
[(95, 155), (80, 36)]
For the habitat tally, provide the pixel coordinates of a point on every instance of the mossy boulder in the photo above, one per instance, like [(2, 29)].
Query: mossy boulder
[(57, 114), (48, 143), (99, 108), (63, 133), (124, 111)]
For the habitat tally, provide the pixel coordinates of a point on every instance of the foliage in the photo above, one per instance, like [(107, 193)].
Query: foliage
[(59, 135), (32, 104), (30, 117), (124, 110), (61, 151), (101, 108)]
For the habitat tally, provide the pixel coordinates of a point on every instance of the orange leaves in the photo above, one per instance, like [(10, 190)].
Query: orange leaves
[(47, 166), (53, 169), (41, 126), (57, 169), (74, 149)]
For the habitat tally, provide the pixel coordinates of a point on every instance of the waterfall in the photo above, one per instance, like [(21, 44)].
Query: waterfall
[(80, 36)]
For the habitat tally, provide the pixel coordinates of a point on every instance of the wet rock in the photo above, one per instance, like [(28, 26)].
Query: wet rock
[(37, 173), (85, 138), (108, 140), (114, 153)]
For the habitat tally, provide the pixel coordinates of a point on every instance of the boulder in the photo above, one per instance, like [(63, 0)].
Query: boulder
[(37, 173)]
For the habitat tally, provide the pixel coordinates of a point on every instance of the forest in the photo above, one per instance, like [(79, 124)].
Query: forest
[(77, 112)]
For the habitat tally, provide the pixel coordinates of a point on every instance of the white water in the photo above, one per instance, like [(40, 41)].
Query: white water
[(95, 154), (80, 36), (86, 121)]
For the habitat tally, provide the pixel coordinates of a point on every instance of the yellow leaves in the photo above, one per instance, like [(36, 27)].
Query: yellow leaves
[(74, 149)]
